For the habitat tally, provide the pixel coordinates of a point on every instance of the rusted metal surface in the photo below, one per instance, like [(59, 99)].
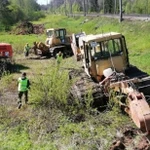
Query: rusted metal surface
[(139, 110), (136, 105)]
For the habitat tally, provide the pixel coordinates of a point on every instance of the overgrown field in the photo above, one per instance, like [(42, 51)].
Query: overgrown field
[(48, 122)]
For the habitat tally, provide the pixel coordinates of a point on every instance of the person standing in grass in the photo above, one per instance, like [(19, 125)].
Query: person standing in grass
[(59, 57), (23, 86), (26, 50)]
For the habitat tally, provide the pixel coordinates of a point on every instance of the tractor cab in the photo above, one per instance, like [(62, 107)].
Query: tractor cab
[(76, 45), (104, 51), (55, 36)]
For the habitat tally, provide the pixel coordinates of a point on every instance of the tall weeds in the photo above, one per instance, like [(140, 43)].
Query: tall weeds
[(51, 88)]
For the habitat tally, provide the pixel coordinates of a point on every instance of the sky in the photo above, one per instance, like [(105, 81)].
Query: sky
[(43, 2)]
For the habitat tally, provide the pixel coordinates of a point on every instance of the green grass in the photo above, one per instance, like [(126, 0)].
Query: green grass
[(15, 138), (18, 41)]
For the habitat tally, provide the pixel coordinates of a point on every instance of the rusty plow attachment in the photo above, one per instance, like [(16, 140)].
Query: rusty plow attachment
[(136, 104)]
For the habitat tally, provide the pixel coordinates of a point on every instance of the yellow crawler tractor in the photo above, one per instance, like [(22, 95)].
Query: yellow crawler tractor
[(108, 75), (57, 40)]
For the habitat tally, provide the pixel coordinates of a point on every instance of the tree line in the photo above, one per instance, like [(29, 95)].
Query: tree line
[(101, 6), (14, 11)]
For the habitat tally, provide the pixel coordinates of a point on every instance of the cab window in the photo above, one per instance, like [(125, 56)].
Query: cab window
[(49, 33), (105, 49)]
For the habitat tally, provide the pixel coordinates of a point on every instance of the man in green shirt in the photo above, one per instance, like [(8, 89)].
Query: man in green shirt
[(59, 57), (26, 50), (23, 86)]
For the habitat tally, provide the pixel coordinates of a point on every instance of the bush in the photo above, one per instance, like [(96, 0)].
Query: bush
[(51, 88)]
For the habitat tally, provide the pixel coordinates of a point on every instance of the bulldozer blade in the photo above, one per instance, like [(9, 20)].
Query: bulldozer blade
[(139, 111)]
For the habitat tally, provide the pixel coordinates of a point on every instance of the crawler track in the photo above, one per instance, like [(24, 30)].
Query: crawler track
[(84, 87)]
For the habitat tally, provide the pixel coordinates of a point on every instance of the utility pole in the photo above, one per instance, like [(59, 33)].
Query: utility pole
[(87, 6), (71, 8), (147, 7), (65, 7), (84, 7), (103, 6), (120, 4), (115, 7)]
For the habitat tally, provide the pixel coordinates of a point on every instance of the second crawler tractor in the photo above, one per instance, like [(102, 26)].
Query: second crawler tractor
[(107, 70)]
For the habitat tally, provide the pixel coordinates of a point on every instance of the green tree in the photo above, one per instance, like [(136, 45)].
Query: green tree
[(4, 14), (13, 11), (16, 13), (29, 8)]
